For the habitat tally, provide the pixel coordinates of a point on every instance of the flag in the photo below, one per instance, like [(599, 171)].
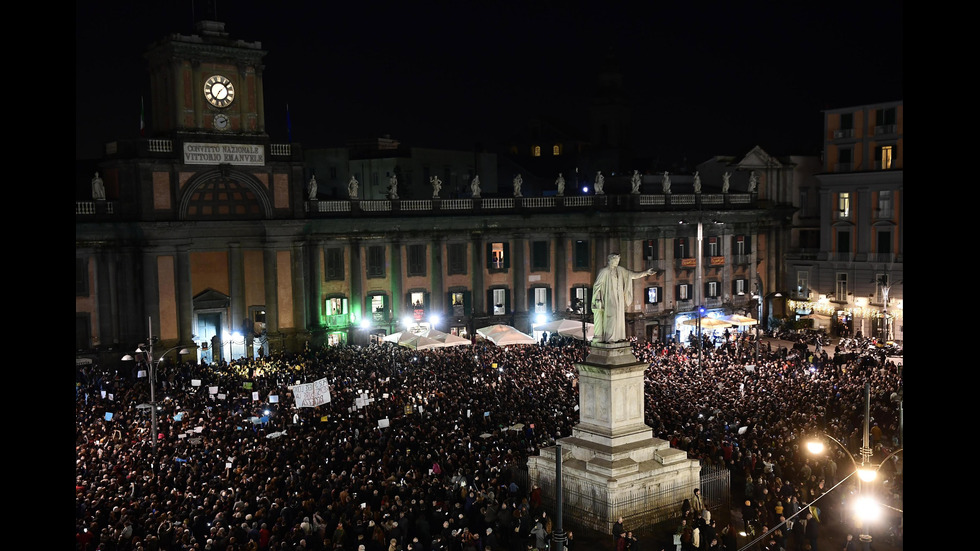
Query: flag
[(289, 126), (142, 118), (815, 511)]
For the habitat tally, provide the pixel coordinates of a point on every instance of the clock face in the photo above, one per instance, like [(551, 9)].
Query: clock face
[(221, 121), (219, 91)]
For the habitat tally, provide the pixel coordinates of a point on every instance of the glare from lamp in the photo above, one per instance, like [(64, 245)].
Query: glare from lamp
[(815, 447), (867, 475), (867, 509)]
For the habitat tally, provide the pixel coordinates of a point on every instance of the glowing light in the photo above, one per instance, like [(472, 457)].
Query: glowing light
[(867, 475), (540, 318), (815, 447), (867, 509)]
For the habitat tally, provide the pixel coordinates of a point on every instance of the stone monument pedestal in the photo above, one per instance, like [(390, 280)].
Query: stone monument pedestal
[(612, 466)]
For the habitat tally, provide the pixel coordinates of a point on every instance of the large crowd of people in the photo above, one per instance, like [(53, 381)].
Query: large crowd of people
[(422, 450)]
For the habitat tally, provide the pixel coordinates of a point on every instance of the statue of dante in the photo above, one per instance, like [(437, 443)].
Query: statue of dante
[(611, 294)]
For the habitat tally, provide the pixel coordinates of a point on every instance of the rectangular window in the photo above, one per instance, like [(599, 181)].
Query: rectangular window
[(650, 249), (846, 121), (843, 241), (498, 255), (416, 260), (334, 264), (681, 250), (581, 253), (881, 282), (740, 248), (885, 204), (740, 287), (883, 154), (803, 283), (684, 291), (541, 300), (418, 303), (335, 306), (713, 249), (580, 299), (885, 116), (844, 205), (711, 289), (379, 307), (457, 258), (652, 295), (883, 241), (845, 159), (376, 261), (499, 301), (539, 256), (458, 303), (841, 287)]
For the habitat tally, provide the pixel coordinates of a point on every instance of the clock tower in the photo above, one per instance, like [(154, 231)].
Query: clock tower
[(206, 83)]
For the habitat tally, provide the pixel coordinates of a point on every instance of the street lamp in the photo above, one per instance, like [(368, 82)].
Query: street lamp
[(146, 355), (866, 470)]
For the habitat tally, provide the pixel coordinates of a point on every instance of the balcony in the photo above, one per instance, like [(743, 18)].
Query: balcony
[(740, 259), (843, 133), (884, 129), (840, 257), (887, 258), (338, 320), (845, 167)]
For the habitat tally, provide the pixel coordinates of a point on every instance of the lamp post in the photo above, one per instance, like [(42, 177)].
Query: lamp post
[(866, 470), (146, 355), (761, 299)]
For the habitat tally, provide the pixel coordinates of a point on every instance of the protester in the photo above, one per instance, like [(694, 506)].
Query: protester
[(237, 463)]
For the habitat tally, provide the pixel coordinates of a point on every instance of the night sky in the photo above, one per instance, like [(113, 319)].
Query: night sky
[(461, 74)]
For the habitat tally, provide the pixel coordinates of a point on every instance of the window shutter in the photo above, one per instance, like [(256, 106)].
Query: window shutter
[(506, 254), (449, 304), (490, 304), (547, 302), (426, 301), (660, 294), (507, 307), (467, 303), (489, 257)]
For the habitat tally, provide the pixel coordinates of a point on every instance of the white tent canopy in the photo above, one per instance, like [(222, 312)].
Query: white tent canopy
[(447, 339), (738, 319), (567, 328), (708, 323), (504, 335)]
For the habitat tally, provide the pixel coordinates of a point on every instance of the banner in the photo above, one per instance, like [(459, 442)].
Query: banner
[(311, 395)]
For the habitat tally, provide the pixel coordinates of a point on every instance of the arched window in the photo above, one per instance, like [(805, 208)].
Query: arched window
[(536, 150), (556, 150)]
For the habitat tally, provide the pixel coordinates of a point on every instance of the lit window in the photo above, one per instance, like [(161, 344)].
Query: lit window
[(885, 204), (652, 295), (841, 289), (844, 205), (536, 151), (497, 255), (499, 302), (556, 150), (885, 157), (540, 300), (712, 289)]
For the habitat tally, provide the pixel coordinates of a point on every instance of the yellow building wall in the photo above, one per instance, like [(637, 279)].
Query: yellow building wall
[(284, 289), (161, 191), (209, 270), (254, 278), (86, 304), (166, 281)]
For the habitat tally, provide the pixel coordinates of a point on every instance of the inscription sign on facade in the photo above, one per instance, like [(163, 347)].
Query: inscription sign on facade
[(196, 153)]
